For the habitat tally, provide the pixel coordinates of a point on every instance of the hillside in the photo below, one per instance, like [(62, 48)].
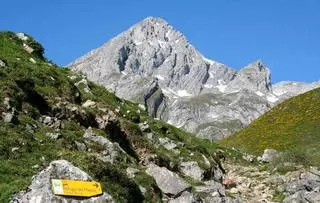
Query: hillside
[(293, 126), (49, 114)]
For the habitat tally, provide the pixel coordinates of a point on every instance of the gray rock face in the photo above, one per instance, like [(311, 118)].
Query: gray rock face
[(153, 64), (40, 190), (168, 182)]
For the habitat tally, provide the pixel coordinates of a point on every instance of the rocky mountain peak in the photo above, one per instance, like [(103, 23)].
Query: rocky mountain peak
[(255, 76)]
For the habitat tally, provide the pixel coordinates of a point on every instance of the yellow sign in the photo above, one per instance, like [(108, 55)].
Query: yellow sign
[(76, 188)]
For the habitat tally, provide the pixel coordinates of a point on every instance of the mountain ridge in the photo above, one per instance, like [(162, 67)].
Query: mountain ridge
[(153, 64)]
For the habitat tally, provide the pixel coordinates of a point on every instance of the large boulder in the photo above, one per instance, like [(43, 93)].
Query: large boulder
[(269, 155), (168, 182), (40, 190), (192, 169)]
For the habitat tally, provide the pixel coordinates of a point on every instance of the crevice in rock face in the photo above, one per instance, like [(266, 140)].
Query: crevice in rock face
[(123, 57), (153, 99), (117, 135)]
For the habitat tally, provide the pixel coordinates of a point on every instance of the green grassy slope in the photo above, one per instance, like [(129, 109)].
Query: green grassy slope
[(293, 126), (34, 89)]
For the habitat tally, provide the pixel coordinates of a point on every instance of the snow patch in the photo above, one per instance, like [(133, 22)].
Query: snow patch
[(213, 115), (259, 93), (221, 88), (123, 73), (159, 77), (208, 60), (272, 98), (180, 93), (161, 43), (208, 85), (183, 93)]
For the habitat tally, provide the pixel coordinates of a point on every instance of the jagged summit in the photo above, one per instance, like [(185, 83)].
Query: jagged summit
[(255, 77)]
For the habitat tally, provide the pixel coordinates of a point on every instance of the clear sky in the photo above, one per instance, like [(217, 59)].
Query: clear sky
[(285, 34)]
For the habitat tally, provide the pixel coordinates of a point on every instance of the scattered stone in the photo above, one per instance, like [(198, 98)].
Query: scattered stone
[(50, 121), (80, 146), (72, 77), (35, 166), (82, 83), (131, 172), (8, 117), (144, 127), (88, 104), (168, 182), (269, 155), (28, 48), (54, 136), (13, 149), (211, 187), (22, 36), (32, 60), (143, 190), (185, 197), (111, 150), (167, 143), (142, 107), (248, 157), (40, 189), (192, 169), (2, 63)]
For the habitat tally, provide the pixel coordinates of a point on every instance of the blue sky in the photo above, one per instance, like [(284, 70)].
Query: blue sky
[(285, 34)]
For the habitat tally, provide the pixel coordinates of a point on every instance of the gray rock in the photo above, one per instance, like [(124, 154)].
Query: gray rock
[(22, 36), (88, 104), (52, 122), (167, 143), (40, 190), (32, 60), (80, 146), (295, 198), (269, 155), (2, 63), (54, 136), (13, 149), (131, 172), (28, 48), (185, 197), (168, 182), (111, 151), (211, 187), (144, 127), (192, 169), (8, 116)]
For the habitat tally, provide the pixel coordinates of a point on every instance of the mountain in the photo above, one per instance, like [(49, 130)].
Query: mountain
[(153, 64), (293, 126)]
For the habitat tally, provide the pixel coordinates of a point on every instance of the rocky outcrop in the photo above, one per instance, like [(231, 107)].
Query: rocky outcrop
[(168, 182), (40, 190), (269, 155), (192, 169), (153, 64)]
